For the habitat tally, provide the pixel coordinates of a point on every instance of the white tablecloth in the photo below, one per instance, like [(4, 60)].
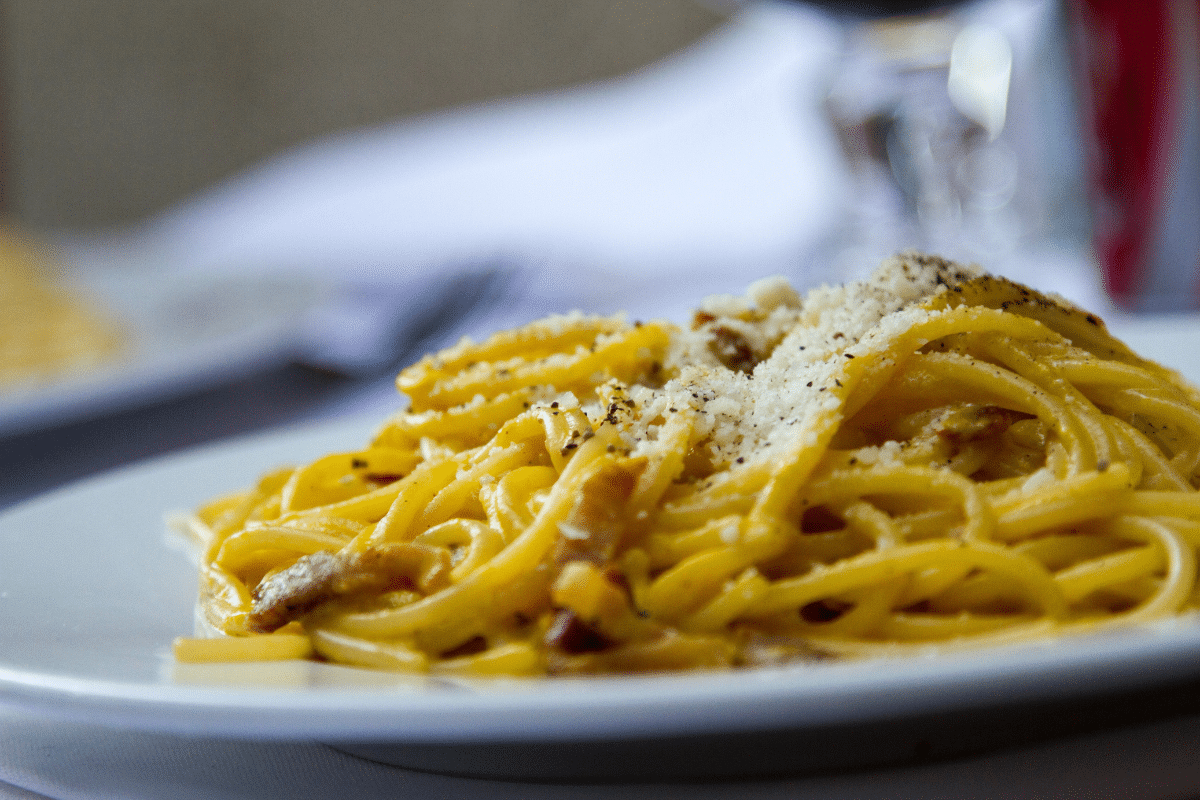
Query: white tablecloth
[(88, 762)]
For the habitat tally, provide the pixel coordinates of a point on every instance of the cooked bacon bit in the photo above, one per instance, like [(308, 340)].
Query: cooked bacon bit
[(315, 579), (599, 516), (572, 635), (472, 646), (820, 519), (381, 478), (732, 349), (616, 577), (824, 610), (970, 423)]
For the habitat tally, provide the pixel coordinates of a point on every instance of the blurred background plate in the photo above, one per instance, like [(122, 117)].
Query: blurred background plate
[(178, 332)]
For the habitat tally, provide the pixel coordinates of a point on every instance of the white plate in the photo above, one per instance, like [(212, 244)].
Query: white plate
[(1171, 339), (92, 592), (183, 331)]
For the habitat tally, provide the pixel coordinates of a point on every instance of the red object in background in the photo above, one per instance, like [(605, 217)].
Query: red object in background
[(1139, 74)]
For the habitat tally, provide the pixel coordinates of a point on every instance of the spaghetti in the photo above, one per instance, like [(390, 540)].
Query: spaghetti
[(929, 459), (48, 331)]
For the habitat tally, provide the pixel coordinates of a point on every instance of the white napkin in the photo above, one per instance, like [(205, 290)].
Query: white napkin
[(715, 157), (696, 175), (693, 176)]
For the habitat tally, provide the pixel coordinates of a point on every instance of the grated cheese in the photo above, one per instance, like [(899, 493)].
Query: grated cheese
[(800, 349)]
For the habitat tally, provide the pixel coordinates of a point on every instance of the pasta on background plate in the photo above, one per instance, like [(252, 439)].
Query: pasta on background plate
[(49, 331), (928, 459)]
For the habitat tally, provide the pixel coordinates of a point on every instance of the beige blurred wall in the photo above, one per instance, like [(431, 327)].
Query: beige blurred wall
[(115, 109)]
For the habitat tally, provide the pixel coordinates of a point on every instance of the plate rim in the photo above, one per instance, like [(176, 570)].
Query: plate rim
[(626, 707), (579, 708)]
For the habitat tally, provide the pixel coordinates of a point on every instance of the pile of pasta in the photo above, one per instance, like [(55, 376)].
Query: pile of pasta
[(929, 459), (47, 331)]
